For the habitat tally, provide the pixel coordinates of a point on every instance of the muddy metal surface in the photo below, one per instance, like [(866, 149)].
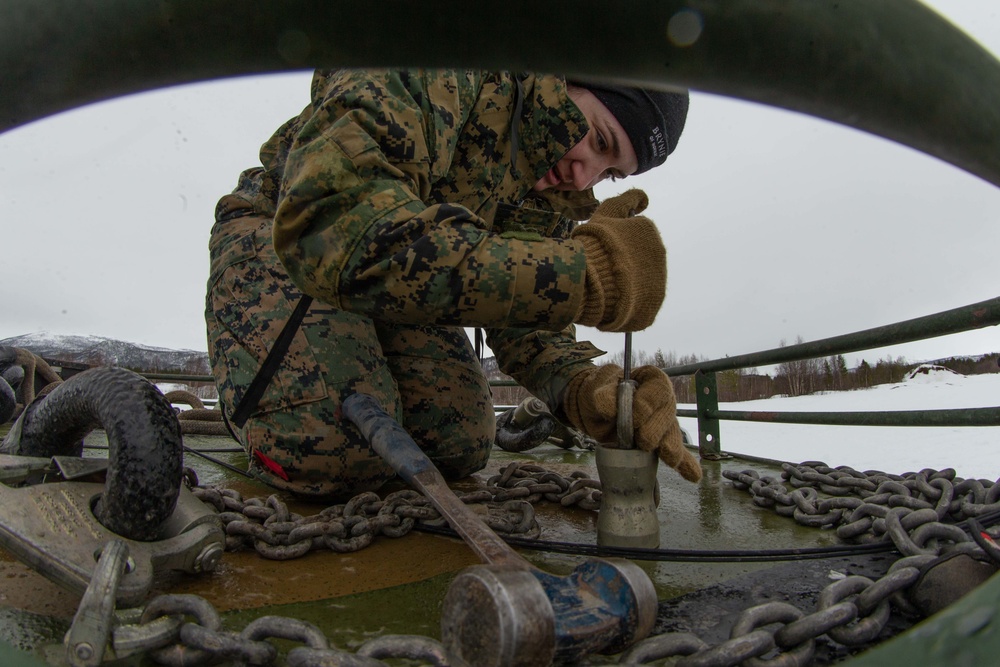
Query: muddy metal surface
[(396, 585)]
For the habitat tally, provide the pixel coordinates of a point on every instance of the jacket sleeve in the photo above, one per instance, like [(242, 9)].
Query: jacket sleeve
[(357, 228), (543, 362)]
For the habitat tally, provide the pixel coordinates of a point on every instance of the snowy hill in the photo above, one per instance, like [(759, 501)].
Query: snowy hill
[(973, 451), (98, 351)]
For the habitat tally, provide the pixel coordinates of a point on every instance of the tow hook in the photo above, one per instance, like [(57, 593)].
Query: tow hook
[(52, 529)]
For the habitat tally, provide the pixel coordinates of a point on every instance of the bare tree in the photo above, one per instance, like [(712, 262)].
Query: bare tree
[(802, 377)]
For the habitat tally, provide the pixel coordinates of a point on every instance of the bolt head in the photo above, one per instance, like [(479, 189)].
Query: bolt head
[(84, 651), (209, 558)]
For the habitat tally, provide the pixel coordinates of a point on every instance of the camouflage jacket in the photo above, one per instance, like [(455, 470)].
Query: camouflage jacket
[(406, 196)]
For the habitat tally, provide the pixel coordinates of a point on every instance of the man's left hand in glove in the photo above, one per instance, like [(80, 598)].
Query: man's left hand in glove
[(591, 405)]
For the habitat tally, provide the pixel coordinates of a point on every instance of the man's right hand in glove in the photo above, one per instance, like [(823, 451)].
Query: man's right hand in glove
[(626, 265)]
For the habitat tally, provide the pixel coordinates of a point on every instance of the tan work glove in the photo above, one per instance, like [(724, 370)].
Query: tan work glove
[(626, 265), (591, 405)]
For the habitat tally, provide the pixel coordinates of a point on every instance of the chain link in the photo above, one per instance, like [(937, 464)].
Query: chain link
[(874, 506), (273, 531), (186, 631), (911, 511)]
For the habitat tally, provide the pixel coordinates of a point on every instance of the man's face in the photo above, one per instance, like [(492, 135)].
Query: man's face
[(604, 152)]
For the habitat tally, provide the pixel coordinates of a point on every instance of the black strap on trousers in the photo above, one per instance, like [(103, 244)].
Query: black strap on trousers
[(247, 404)]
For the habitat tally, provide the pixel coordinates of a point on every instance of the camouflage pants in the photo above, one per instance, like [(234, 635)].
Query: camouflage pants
[(428, 378)]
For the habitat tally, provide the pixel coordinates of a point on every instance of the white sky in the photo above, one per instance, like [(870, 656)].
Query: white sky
[(777, 225)]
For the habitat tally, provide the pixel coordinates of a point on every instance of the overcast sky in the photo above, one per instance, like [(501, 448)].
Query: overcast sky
[(777, 225)]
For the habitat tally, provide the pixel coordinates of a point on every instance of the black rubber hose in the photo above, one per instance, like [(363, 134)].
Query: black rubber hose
[(145, 458)]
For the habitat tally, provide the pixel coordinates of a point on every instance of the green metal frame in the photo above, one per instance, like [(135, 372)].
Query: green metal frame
[(966, 633), (956, 320), (892, 67), (707, 391), (956, 417)]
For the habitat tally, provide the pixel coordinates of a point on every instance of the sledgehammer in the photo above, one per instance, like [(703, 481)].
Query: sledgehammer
[(509, 612)]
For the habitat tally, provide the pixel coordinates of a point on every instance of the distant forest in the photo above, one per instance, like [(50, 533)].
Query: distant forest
[(795, 378)]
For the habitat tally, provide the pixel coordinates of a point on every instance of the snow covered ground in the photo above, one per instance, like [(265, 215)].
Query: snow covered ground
[(974, 452)]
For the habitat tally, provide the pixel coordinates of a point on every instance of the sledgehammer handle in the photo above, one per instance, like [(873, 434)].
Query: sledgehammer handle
[(399, 450)]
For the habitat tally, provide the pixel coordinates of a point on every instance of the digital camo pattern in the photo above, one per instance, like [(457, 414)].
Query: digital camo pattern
[(391, 186), (396, 204), (426, 377)]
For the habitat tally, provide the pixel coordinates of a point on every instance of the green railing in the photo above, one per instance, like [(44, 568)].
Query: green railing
[(967, 318)]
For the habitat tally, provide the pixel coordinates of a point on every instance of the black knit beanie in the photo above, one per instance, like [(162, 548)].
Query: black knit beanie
[(653, 119)]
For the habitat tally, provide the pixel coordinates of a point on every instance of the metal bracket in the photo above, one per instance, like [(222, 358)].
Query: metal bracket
[(75, 467), (15, 469), (52, 529), (87, 638)]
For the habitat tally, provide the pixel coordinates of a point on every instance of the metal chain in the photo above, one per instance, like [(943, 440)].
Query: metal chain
[(864, 503), (186, 631), (533, 483), (267, 526), (910, 510)]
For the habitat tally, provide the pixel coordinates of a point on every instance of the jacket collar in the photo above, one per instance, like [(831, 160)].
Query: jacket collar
[(548, 126)]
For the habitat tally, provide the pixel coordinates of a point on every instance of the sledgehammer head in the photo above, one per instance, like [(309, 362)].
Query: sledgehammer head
[(496, 616)]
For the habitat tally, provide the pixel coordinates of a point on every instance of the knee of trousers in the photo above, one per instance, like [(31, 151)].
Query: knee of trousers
[(445, 399), (305, 453), (467, 448)]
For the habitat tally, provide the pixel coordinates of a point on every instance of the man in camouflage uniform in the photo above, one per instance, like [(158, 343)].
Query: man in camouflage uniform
[(407, 205)]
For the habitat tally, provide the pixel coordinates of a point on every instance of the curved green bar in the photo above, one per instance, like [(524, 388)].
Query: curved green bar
[(966, 633), (890, 67)]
